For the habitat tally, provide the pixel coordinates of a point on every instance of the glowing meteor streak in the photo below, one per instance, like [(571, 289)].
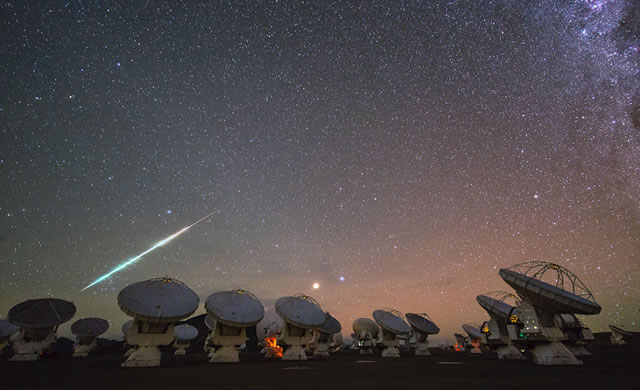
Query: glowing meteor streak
[(156, 245)]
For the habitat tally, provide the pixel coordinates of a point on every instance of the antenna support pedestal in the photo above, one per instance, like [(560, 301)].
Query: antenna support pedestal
[(554, 354), (422, 348), (146, 337), (82, 349), (146, 356), (32, 343), (181, 347), (296, 338), (225, 338)]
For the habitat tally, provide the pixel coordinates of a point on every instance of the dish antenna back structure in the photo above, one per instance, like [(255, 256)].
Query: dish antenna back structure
[(125, 330), (210, 323), (475, 337), (7, 329), (87, 331), (365, 335), (422, 327), (393, 324), (233, 311), (183, 335), (552, 296), (496, 331), (155, 305), (619, 334), (38, 320), (461, 342), (300, 314), (323, 335)]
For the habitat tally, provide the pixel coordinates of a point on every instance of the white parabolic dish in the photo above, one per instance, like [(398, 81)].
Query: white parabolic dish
[(301, 311), (421, 323), (235, 308), (89, 327), (7, 328), (42, 313), (158, 300), (391, 321), (365, 324), (185, 332)]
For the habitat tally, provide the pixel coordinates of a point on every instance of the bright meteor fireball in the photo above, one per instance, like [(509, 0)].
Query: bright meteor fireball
[(156, 245)]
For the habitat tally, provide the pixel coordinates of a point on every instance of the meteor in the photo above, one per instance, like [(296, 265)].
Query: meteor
[(156, 245)]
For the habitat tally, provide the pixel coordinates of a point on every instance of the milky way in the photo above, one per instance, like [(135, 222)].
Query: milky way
[(396, 153)]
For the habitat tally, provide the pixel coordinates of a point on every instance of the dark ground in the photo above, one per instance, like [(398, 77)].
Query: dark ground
[(610, 367)]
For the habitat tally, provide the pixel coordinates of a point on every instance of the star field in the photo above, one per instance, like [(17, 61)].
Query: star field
[(398, 154)]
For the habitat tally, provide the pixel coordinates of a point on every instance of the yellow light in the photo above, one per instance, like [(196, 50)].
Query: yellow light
[(513, 318)]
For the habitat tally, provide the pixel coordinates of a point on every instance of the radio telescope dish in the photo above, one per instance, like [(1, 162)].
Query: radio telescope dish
[(235, 308), (42, 313), (422, 327), (7, 329), (568, 294), (155, 304), (161, 300), (393, 324), (496, 332), (461, 342), (38, 320), (233, 311), (87, 331), (495, 303), (619, 334), (550, 293), (300, 313), (183, 335), (89, 327), (300, 310), (323, 335), (209, 322), (365, 335), (475, 336)]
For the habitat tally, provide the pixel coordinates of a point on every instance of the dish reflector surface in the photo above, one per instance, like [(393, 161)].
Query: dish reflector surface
[(391, 320), (422, 323), (620, 330), (185, 332), (235, 308), (494, 307), (300, 310), (330, 325), (7, 328), (365, 324), (158, 300), (126, 326), (89, 327), (42, 313), (209, 322), (472, 331), (547, 296)]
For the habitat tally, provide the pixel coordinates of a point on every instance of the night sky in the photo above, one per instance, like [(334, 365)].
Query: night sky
[(396, 153)]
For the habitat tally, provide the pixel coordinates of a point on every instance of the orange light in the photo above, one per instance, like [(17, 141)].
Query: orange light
[(513, 318), (273, 349)]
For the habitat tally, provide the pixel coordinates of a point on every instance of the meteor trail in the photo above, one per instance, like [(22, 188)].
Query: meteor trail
[(156, 245)]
